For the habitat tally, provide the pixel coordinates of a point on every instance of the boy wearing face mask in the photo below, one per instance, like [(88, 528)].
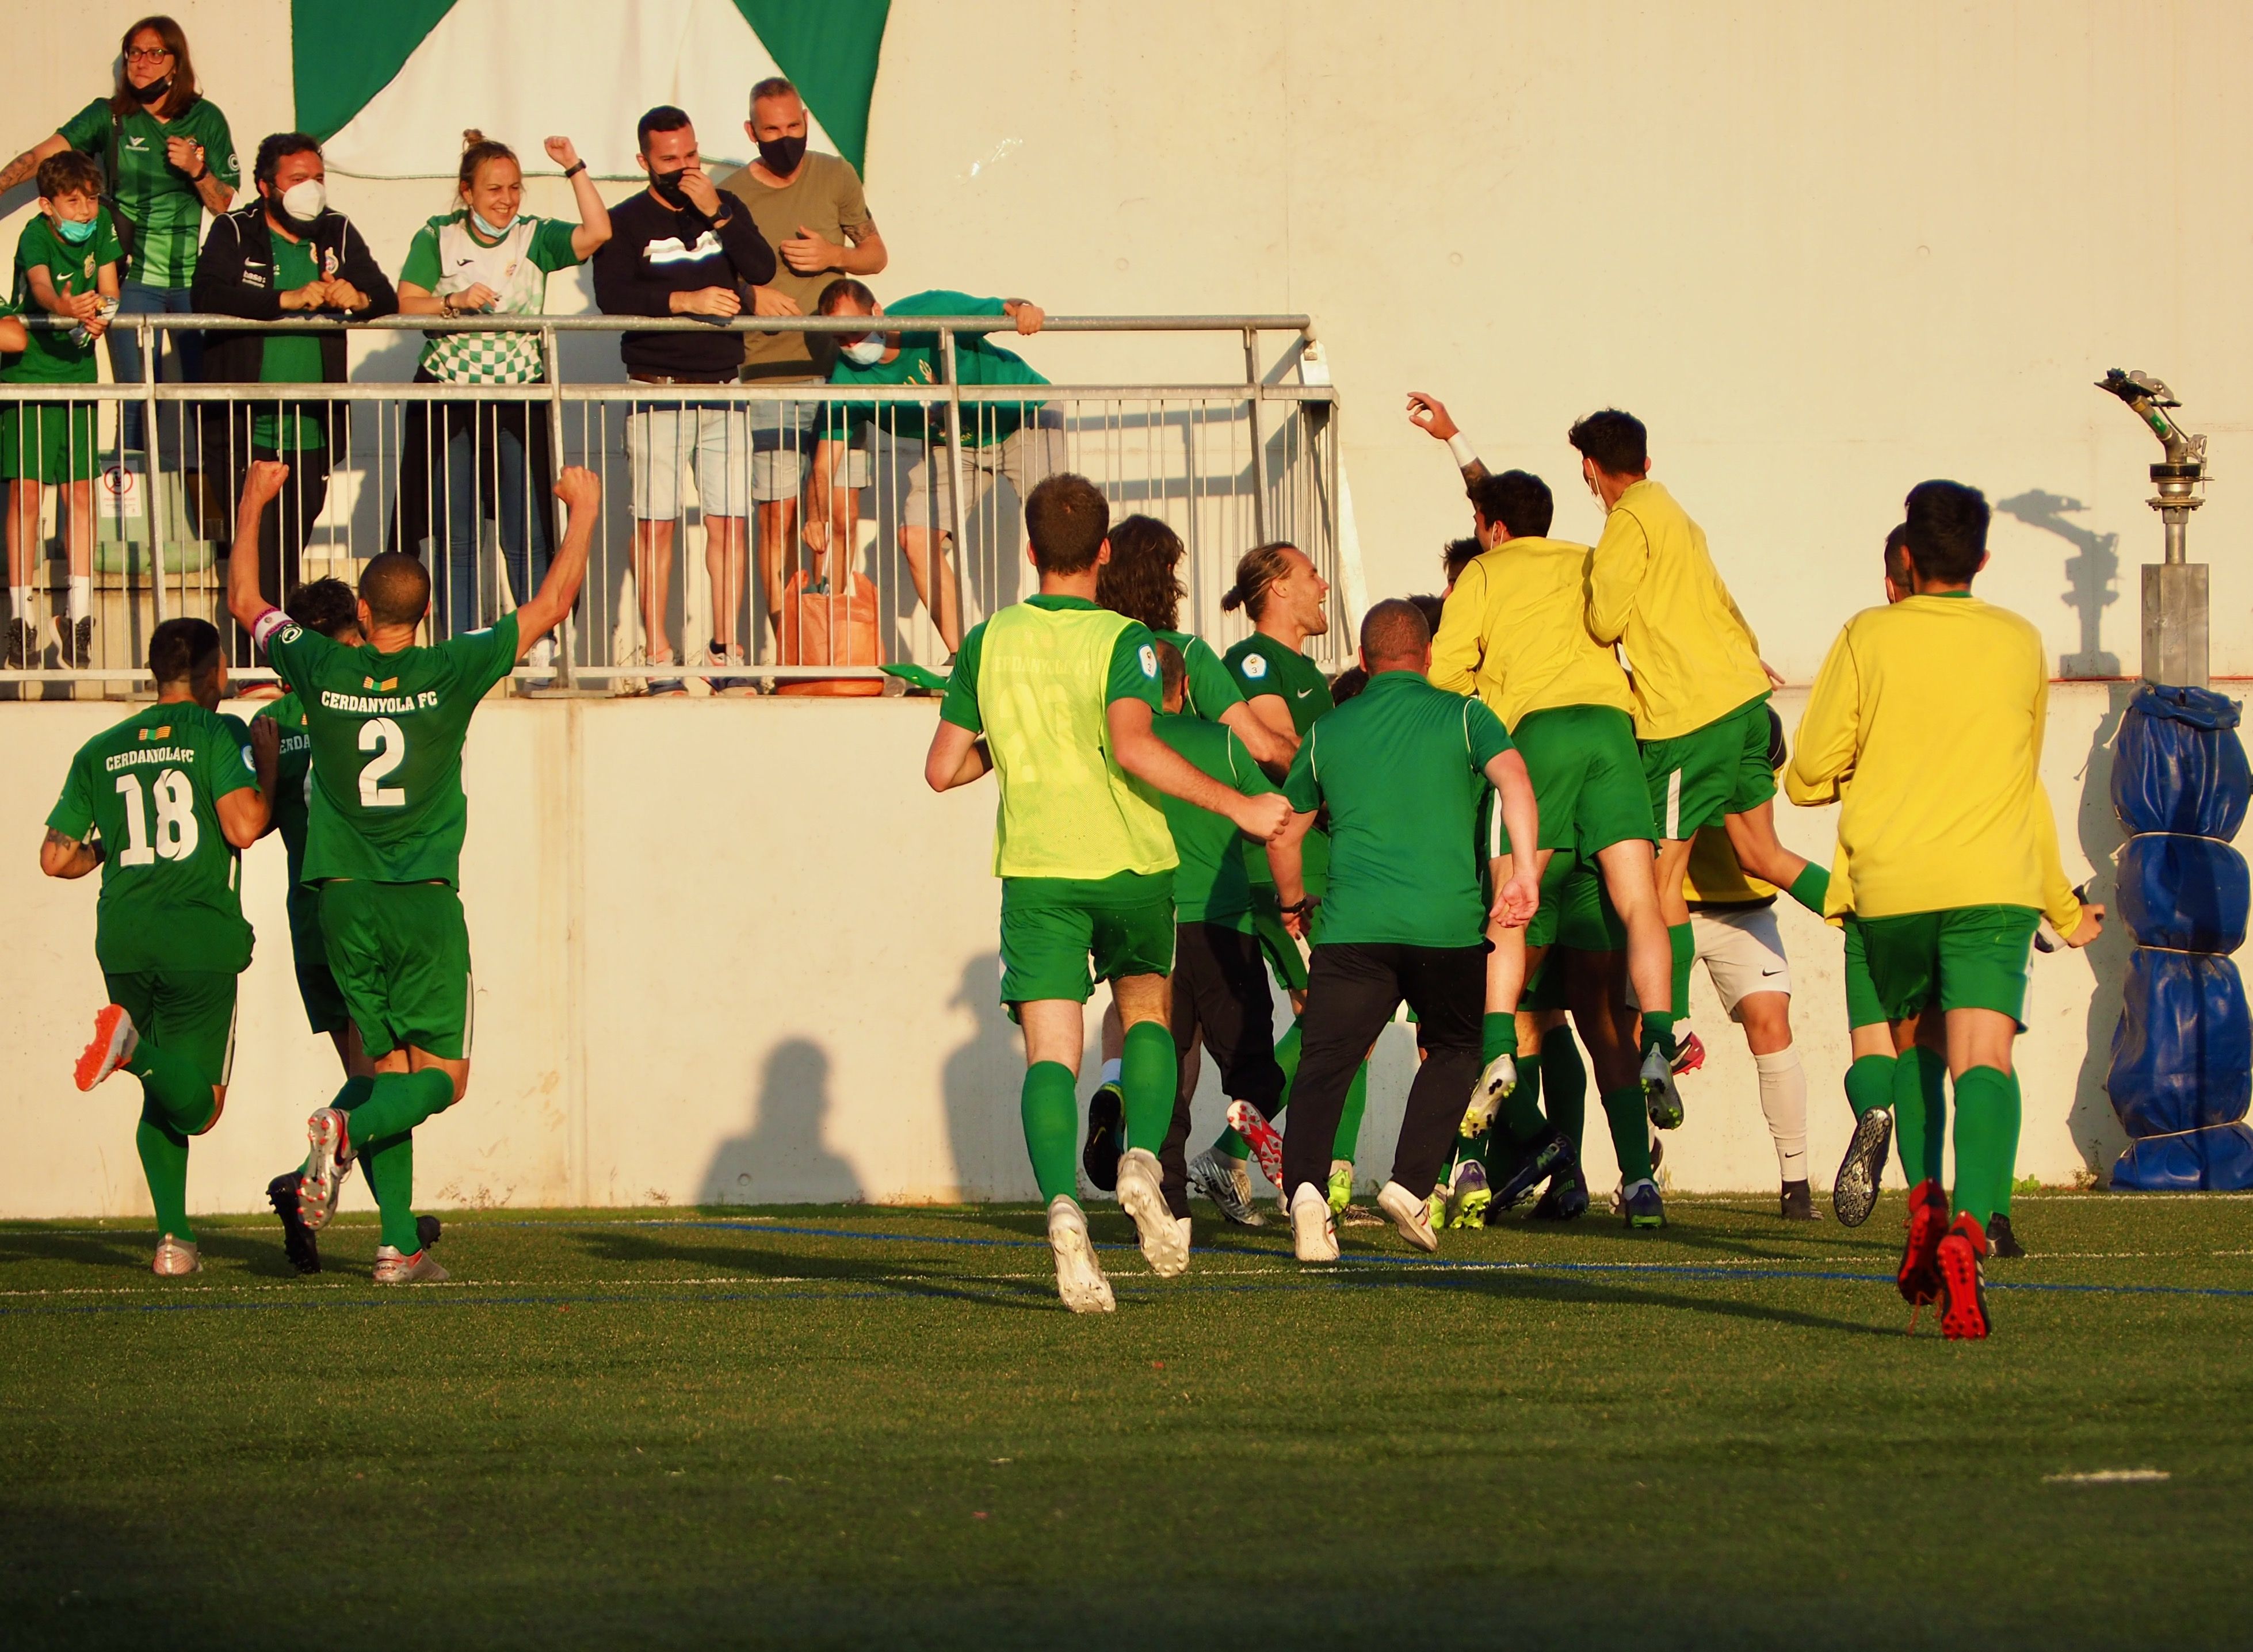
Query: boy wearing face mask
[(66, 265), (284, 254), (810, 208)]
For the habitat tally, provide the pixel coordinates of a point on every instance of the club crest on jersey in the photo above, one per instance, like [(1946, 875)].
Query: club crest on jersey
[(385, 686), (89, 266), (1254, 665), (1149, 658), (329, 263)]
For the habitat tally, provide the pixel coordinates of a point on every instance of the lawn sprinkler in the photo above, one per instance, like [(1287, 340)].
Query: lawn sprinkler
[(2175, 590)]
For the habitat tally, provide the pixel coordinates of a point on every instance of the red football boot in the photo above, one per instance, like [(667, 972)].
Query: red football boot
[(1963, 1285), (1920, 1265)]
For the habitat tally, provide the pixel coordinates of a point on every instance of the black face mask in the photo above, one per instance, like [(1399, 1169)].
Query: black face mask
[(781, 156), (666, 187), (154, 91)]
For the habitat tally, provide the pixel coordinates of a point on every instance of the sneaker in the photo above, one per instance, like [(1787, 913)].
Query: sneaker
[(1549, 1159), (1227, 1183), (1142, 1195), (1663, 1101), (23, 646), (1963, 1283), (1854, 1194), (1689, 1054), (1797, 1203), (1409, 1215), (1079, 1276), (1497, 1081), (74, 642), (422, 1268), (1919, 1277), (297, 1241), (175, 1257), (1264, 1141), (1566, 1201), (1640, 1205), (1314, 1235), (1467, 1196), (720, 653), (2001, 1242), (322, 1178), (113, 1043), (1106, 1130), (1435, 1208), (1341, 1185), (663, 686)]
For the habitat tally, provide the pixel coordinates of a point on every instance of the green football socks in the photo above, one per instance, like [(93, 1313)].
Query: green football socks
[(1566, 1078), (1050, 1104), (1497, 1036), (1811, 888), (174, 1087), (389, 1162), (1986, 1141), (164, 1162), (1149, 1069), (1683, 941), (1356, 1103), (398, 1102), (1920, 1113), (1629, 1117), (1870, 1084)]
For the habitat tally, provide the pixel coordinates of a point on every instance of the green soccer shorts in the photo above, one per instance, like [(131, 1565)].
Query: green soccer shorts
[(189, 1014), (1588, 778), (1053, 928), (1863, 1008), (400, 953), (47, 442), (1967, 957), (325, 1011), (1695, 779)]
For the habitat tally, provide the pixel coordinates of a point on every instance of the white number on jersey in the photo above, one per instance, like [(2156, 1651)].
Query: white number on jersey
[(176, 819), (386, 739)]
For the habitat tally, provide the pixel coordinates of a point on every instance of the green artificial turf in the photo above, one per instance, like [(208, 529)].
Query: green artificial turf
[(846, 1426)]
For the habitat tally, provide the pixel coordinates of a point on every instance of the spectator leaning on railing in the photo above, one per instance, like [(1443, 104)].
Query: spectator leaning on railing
[(462, 461), (1023, 441), (680, 247), (66, 265), (810, 208), (286, 253), (168, 155)]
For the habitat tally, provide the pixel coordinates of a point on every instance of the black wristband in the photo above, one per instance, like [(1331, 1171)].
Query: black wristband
[(575, 169), (1305, 903), (198, 177)]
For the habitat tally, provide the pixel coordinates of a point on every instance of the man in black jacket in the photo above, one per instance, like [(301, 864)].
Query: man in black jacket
[(681, 247), (285, 254)]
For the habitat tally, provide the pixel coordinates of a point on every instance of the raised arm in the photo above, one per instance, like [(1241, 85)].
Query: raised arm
[(1141, 754), (1429, 415), (260, 487), (594, 217), (580, 490)]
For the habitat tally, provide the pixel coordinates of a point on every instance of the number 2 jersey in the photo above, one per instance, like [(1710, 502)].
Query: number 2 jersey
[(386, 805), (170, 881)]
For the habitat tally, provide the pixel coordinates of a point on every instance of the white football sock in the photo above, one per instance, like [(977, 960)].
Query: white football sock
[(81, 595), (20, 602), (1783, 1098), (1111, 1071)]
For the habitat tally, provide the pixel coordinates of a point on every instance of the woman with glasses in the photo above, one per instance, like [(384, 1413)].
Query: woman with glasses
[(167, 157)]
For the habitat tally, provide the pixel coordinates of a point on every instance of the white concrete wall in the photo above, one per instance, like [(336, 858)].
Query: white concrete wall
[(734, 951)]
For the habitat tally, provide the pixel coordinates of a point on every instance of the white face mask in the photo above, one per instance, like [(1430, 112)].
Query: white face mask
[(866, 351), (305, 202)]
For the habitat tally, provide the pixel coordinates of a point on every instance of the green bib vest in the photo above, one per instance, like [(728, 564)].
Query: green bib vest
[(1068, 810)]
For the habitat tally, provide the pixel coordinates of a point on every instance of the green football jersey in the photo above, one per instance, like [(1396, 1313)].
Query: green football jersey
[(387, 732), (1210, 885), (1210, 688), (1262, 665), (54, 357), (170, 881), (293, 781), (166, 213)]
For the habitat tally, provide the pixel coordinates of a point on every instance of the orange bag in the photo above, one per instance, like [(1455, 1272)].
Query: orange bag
[(831, 628)]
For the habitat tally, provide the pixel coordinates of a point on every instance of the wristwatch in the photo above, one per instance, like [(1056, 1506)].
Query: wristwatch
[(575, 169)]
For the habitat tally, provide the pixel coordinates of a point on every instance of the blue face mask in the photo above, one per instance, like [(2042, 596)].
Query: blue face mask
[(490, 232), (76, 231)]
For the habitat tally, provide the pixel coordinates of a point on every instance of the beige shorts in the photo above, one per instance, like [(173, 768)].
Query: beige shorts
[(1027, 456), (1742, 951)]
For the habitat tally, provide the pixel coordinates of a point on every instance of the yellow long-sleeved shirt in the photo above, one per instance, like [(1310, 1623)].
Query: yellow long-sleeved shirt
[(1926, 725), (1515, 632), (1652, 585)]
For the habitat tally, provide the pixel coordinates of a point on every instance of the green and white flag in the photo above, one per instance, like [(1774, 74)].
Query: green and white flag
[(389, 85)]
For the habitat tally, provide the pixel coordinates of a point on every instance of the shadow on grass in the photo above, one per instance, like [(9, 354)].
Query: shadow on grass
[(255, 1252), (731, 1255)]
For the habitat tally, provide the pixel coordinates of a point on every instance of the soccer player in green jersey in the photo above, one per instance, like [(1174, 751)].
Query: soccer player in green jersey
[(383, 841), (1140, 581), (1064, 694), (329, 607), (164, 804)]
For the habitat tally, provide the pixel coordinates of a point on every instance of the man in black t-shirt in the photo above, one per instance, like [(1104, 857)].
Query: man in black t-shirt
[(680, 247)]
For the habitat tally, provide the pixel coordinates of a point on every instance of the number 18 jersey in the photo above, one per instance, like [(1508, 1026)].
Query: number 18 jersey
[(169, 891), (386, 805)]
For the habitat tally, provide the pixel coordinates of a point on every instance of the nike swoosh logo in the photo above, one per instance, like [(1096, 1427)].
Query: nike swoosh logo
[(1303, 693), (1771, 972)]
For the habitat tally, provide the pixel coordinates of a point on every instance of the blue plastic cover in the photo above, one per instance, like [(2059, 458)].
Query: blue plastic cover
[(2180, 766), (2190, 894), (2217, 1161), (2182, 1055)]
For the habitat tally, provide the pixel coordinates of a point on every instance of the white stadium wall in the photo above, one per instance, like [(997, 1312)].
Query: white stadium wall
[(717, 961), (1825, 252)]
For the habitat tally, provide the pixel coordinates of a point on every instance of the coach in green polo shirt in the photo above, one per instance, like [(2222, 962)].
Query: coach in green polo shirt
[(1402, 767)]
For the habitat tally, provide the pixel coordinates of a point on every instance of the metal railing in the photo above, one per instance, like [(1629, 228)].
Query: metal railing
[(930, 495)]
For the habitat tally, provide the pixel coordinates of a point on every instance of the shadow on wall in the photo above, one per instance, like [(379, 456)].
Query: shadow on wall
[(2090, 576), (983, 1080), (783, 1157), (2095, 1128)]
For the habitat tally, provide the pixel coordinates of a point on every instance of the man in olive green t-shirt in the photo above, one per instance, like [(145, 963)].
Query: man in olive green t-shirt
[(1064, 694), (1402, 768)]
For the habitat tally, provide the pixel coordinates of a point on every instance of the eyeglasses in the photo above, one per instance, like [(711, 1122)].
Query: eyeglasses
[(148, 54)]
